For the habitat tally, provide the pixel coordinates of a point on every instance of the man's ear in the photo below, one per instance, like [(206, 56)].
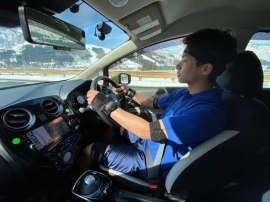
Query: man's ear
[(207, 69)]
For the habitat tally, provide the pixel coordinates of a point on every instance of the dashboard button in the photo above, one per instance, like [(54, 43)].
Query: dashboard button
[(24, 137), (32, 146)]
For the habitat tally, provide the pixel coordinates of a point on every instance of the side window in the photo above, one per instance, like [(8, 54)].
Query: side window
[(152, 66), (260, 45)]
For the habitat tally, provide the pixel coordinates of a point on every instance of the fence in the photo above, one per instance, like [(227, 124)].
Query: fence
[(140, 74)]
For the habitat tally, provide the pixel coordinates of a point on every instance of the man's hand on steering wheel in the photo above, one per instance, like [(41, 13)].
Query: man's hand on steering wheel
[(121, 88), (125, 90), (99, 102)]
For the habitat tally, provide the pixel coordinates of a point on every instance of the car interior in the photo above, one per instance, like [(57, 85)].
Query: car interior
[(46, 124)]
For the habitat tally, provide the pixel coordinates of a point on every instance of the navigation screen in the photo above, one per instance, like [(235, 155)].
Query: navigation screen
[(48, 133)]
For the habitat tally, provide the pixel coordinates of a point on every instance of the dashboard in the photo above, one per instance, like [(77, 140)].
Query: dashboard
[(42, 125)]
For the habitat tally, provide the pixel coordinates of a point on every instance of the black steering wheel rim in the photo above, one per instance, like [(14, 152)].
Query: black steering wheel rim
[(93, 86)]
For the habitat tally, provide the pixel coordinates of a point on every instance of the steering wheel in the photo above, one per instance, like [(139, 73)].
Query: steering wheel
[(93, 86)]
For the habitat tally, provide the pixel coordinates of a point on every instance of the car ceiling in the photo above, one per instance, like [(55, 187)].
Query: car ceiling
[(181, 17), (176, 17)]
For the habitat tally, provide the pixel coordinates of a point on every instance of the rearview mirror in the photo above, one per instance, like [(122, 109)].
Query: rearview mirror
[(40, 28)]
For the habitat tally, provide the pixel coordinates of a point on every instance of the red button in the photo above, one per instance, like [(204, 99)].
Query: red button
[(153, 186)]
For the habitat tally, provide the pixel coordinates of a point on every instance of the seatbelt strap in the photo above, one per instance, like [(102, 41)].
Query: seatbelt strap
[(153, 167), (178, 104)]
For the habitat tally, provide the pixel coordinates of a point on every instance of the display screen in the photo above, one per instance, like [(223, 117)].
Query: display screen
[(48, 133)]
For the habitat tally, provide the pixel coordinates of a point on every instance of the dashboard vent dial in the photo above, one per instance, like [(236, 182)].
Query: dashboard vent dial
[(18, 118), (50, 106)]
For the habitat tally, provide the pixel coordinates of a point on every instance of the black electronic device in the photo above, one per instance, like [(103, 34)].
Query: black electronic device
[(104, 29), (54, 143)]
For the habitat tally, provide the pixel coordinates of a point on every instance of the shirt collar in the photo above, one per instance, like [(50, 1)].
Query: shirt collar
[(204, 95)]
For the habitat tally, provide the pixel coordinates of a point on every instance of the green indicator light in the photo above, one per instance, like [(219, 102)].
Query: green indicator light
[(67, 110), (16, 141)]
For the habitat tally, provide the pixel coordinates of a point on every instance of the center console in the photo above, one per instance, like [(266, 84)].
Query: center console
[(41, 133), (53, 144), (96, 186)]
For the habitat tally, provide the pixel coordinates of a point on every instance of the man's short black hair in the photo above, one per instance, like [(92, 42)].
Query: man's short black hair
[(215, 46)]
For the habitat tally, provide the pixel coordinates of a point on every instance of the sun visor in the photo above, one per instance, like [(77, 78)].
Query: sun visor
[(144, 23)]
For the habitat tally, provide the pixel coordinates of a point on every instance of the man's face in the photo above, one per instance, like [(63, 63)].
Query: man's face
[(188, 72)]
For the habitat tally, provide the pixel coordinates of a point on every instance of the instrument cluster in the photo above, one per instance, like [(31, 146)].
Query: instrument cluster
[(77, 99)]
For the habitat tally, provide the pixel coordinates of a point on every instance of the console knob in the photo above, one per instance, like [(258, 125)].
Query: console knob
[(89, 184), (89, 180)]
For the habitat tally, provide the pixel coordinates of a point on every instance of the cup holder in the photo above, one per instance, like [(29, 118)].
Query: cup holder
[(92, 185)]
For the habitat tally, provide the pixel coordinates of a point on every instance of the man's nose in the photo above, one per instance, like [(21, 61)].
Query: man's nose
[(178, 67)]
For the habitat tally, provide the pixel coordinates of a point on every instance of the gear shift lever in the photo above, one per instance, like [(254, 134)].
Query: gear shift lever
[(89, 184), (92, 185)]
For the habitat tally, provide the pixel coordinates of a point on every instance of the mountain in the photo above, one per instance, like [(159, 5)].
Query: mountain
[(16, 52), (262, 50)]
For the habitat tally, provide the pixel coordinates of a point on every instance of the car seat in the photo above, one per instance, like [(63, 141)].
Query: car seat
[(207, 165)]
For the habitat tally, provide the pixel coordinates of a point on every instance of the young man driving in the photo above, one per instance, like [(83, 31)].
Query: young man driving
[(190, 115)]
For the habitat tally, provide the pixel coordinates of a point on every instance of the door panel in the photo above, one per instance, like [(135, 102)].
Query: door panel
[(149, 114)]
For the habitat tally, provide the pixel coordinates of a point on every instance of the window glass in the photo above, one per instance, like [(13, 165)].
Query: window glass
[(152, 66), (260, 45)]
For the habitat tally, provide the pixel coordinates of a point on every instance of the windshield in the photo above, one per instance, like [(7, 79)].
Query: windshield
[(22, 62)]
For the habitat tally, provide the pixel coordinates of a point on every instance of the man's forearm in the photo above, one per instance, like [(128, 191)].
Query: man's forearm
[(132, 123), (143, 100), (138, 125)]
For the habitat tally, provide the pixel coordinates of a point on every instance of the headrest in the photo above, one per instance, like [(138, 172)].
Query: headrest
[(244, 76)]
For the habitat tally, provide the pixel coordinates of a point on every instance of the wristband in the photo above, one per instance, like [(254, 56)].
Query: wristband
[(156, 132), (155, 104), (109, 107), (132, 93)]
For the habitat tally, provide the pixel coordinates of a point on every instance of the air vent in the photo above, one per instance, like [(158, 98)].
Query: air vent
[(50, 106), (18, 118)]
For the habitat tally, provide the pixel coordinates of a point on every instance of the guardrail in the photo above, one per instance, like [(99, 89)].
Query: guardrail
[(161, 74), (148, 74), (39, 71), (139, 74)]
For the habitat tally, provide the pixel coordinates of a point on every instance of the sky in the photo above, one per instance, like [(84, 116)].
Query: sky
[(87, 19), (112, 40)]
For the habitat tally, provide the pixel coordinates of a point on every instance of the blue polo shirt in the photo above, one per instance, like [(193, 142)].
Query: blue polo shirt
[(199, 117)]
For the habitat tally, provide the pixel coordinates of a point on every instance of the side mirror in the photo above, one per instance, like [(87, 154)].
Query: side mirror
[(40, 28), (124, 78)]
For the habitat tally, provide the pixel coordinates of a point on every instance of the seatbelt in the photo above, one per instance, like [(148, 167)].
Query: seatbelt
[(153, 167)]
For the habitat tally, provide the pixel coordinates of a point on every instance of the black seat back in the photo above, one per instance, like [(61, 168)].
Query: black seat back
[(243, 81)]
